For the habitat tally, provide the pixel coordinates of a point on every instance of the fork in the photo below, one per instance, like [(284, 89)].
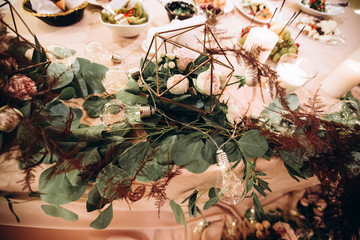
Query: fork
[(119, 18)]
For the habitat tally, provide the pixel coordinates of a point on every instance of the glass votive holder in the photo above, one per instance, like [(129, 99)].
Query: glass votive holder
[(295, 71)]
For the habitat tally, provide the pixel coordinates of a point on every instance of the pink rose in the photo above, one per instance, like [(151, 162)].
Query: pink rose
[(185, 56), (9, 118), (203, 82), (178, 84), (20, 87)]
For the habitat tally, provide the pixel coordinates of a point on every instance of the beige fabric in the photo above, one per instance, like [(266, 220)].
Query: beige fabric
[(142, 222)]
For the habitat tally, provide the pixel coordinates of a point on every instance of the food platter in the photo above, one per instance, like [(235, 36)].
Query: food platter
[(321, 30), (96, 3), (261, 16), (331, 10), (227, 7)]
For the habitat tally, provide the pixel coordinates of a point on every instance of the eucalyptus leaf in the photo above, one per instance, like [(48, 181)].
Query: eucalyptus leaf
[(104, 218), (210, 149), (233, 151), (58, 211), (61, 73), (58, 108), (253, 144), (89, 134), (93, 75), (87, 158), (57, 189), (94, 201), (272, 112), (161, 163), (67, 93), (131, 99), (133, 157), (79, 86), (93, 105), (189, 152), (112, 179)]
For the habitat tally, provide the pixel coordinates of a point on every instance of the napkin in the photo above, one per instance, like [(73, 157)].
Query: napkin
[(175, 24), (45, 7), (49, 7)]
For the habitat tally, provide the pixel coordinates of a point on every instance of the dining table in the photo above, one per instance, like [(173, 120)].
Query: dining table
[(140, 220)]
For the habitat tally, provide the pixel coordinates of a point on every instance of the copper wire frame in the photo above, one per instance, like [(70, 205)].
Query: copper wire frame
[(14, 29), (207, 44)]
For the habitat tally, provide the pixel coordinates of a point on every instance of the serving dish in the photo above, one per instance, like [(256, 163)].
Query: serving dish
[(243, 7), (62, 19), (179, 10), (322, 30), (126, 30), (330, 10)]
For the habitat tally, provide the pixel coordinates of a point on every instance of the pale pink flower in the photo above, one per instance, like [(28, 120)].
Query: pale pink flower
[(233, 113), (9, 118), (20, 87), (185, 56), (180, 83), (203, 82)]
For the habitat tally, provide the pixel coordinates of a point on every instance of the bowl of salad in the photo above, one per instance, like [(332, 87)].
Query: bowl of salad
[(320, 8), (180, 10), (137, 15)]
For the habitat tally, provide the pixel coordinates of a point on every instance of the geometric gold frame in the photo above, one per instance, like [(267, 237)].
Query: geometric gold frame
[(210, 48)]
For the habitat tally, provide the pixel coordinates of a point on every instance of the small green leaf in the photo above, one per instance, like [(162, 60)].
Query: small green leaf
[(57, 211), (104, 218), (67, 93), (94, 201), (12, 209), (93, 105), (209, 203), (178, 212), (253, 144), (260, 190)]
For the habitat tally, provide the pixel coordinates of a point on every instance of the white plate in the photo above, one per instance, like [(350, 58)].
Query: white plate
[(331, 10), (336, 38), (240, 6), (95, 3), (98, 3), (228, 7)]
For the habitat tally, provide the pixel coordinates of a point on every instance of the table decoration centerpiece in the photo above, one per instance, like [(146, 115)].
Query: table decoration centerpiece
[(117, 164)]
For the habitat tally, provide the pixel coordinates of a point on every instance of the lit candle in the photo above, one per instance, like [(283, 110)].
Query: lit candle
[(291, 76), (294, 71), (263, 37), (344, 78)]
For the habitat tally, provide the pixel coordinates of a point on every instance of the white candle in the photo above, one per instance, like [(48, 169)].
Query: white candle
[(344, 78), (291, 76), (261, 36)]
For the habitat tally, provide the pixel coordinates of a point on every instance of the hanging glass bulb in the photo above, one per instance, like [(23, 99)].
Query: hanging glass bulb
[(97, 53), (60, 54), (115, 114), (115, 80), (232, 189)]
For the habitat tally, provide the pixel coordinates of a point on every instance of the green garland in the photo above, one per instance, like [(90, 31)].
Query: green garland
[(112, 160)]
